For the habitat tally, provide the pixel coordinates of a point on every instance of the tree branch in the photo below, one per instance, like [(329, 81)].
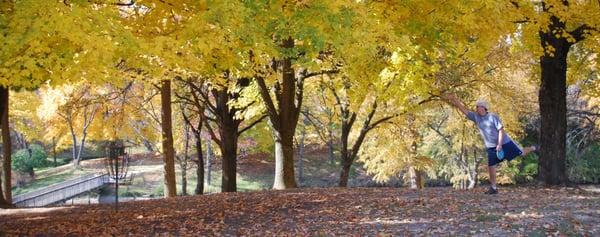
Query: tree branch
[(252, 125), (212, 134), (264, 93), (579, 32), (322, 72)]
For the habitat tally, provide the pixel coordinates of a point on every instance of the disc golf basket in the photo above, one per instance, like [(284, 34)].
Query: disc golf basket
[(117, 163), (117, 167)]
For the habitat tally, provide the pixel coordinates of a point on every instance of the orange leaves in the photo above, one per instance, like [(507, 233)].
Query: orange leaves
[(357, 211)]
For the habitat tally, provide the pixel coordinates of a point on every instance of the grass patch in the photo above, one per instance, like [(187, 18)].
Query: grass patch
[(487, 218), (537, 233), (43, 182), (567, 229)]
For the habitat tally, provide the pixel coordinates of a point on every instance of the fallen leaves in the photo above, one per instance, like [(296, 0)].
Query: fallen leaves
[(337, 211)]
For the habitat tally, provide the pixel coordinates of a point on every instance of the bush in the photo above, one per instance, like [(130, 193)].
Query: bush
[(586, 167), (25, 160)]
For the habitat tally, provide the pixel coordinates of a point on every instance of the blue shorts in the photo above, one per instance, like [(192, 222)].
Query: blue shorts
[(511, 150)]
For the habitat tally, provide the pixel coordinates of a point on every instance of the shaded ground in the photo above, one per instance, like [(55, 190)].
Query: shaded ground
[(357, 211), (255, 172)]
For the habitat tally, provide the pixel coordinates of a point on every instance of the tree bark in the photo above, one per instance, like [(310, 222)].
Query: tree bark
[(54, 150), (284, 162), (228, 148), (301, 154), (170, 185), (6, 179), (413, 178), (184, 178), (330, 156), (3, 202), (74, 137), (349, 154), (186, 158), (199, 164), (284, 118), (474, 173), (81, 147), (345, 153), (209, 157), (228, 131), (553, 107), (330, 143), (345, 173)]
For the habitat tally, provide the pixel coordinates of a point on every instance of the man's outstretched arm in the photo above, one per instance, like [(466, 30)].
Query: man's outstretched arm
[(453, 100)]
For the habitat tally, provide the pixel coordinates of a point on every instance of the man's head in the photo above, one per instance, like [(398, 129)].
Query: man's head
[(482, 107)]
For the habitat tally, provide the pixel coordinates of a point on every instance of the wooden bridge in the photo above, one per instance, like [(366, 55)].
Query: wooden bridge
[(62, 191)]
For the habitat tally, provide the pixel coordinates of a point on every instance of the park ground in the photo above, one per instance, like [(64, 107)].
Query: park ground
[(515, 211), (314, 209)]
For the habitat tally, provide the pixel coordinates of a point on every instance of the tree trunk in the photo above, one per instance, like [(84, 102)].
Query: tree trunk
[(345, 153), (289, 110), (6, 200), (184, 178), (209, 156), (301, 155), (228, 131), (284, 118), (345, 174), (229, 152), (81, 147), (331, 157), (74, 137), (284, 162), (184, 161), (148, 145), (54, 150), (413, 178), (553, 107), (199, 165), (278, 182), (420, 179), (3, 202), (170, 185), (473, 173), (330, 142)]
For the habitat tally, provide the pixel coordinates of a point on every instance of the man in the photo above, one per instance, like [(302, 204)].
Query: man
[(493, 134)]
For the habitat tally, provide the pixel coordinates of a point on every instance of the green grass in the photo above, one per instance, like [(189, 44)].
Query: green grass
[(568, 229), (43, 182), (537, 233), (318, 172), (487, 218)]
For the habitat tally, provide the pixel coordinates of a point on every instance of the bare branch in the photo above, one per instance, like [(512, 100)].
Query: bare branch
[(580, 32), (271, 110), (252, 124), (312, 74), (212, 134)]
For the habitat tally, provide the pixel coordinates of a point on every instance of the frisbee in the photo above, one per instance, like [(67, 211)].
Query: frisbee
[(500, 154)]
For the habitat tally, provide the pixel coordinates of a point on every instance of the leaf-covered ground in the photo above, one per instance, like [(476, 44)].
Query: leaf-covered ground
[(356, 211)]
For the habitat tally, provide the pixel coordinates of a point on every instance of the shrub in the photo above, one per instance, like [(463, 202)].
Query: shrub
[(25, 160)]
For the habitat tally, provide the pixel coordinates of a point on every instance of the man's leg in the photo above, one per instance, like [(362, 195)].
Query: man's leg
[(492, 162), (492, 172), (528, 150)]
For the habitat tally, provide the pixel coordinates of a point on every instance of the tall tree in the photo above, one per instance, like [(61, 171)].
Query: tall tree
[(552, 28), (192, 111), (161, 53), (6, 148), (58, 45), (167, 139), (224, 107), (296, 41)]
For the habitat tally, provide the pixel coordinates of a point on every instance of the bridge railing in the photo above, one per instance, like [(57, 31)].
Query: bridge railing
[(61, 191)]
